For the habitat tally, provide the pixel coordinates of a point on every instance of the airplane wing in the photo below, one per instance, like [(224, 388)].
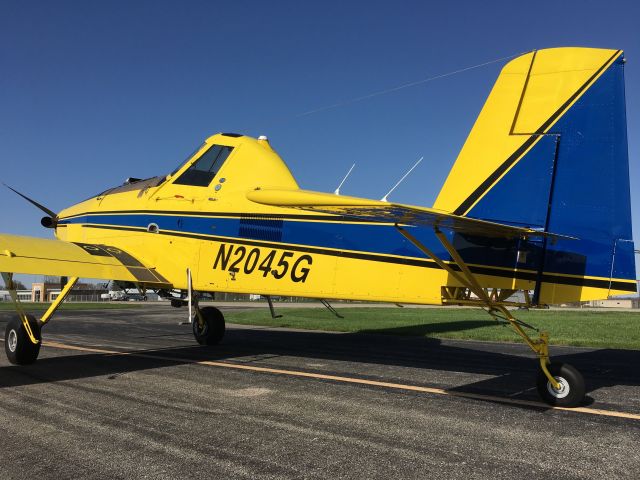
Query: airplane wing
[(39, 256), (385, 212)]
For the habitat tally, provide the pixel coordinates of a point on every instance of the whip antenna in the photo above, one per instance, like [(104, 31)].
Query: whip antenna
[(337, 190), (384, 199)]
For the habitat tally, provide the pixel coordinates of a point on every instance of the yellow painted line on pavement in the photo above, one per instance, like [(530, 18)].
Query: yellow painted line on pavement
[(352, 380)]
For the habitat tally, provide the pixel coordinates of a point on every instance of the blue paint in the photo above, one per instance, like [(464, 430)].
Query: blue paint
[(381, 239), (591, 198), (521, 197), (591, 201)]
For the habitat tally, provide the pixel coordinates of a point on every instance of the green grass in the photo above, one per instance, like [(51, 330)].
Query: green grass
[(37, 306), (580, 328)]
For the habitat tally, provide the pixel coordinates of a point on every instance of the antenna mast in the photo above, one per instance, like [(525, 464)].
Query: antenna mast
[(337, 190), (384, 199)]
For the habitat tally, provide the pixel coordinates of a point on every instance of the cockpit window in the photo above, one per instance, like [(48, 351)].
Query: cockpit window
[(187, 159), (202, 172)]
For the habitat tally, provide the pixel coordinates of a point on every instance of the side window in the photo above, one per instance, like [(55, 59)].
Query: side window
[(202, 172)]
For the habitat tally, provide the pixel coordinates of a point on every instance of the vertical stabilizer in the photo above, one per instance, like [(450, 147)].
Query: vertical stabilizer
[(549, 151)]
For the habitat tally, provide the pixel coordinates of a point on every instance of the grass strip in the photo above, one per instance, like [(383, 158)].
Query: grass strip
[(584, 328)]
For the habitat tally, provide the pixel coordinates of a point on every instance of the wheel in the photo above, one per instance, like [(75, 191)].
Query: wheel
[(571, 391), (213, 330), (17, 344)]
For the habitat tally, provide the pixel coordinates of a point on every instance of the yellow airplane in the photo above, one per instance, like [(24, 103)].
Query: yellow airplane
[(537, 202)]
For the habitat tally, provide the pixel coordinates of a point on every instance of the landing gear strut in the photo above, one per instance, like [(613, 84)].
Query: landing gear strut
[(558, 384), (208, 322)]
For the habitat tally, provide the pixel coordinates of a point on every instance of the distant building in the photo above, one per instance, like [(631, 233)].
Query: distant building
[(23, 295), (48, 292), (614, 303)]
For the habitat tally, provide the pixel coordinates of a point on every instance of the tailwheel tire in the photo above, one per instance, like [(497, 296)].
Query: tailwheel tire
[(572, 390), (18, 346), (213, 330)]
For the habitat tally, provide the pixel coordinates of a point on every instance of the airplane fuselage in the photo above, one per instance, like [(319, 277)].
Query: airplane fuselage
[(231, 244)]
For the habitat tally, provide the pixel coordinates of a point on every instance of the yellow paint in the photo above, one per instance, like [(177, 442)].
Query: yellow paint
[(556, 74), (252, 171), (60, 258), (254, 180)]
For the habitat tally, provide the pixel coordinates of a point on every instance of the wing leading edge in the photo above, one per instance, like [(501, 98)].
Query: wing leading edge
[(39, 256), (384, 212)]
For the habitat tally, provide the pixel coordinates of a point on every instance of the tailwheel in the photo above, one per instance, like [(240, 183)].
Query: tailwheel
[(212, 329), (571, 389), (17, 344)]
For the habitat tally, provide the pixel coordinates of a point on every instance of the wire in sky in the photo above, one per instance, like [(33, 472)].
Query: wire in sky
[(395, 89), (403, 86)]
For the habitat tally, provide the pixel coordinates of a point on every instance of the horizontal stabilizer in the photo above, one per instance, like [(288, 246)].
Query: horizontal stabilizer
[(384, 212)]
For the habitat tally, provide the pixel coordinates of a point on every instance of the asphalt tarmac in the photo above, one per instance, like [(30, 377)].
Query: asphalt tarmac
[(128, 394)]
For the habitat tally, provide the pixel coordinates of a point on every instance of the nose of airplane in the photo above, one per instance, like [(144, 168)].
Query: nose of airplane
[(48, 222)]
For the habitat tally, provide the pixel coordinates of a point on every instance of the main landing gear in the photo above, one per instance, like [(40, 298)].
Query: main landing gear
[(23, 335), (18, 346), (558, 384), (208, 322), (208, 326)]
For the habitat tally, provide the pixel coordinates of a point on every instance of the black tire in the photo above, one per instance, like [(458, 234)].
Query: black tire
[(214, 326), (18, 346), (572, 392)]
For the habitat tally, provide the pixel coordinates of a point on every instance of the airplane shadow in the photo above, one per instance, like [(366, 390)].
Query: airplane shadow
[(427, 329), (511, 368)]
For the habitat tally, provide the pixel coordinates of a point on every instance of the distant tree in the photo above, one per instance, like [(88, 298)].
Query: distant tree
[(18, 284)]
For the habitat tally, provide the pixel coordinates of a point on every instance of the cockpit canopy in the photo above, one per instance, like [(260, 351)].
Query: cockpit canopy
[(254, 164), (202, 172)]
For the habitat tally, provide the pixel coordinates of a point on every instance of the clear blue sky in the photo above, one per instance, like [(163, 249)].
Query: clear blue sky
[(94, 92)]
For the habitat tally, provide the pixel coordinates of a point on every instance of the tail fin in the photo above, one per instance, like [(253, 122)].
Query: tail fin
[(549, 151)]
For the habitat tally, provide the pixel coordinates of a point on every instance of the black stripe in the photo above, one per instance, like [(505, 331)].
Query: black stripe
[(579, 92), (484, 186), (524, 89), (416, 262), (296, 248), (489, 181), (133, 266), (266, 216)]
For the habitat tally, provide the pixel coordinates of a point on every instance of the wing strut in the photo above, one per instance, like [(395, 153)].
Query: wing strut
[(495, 306), (59, 299)]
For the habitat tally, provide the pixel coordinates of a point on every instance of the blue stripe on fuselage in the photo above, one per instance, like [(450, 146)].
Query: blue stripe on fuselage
[(371, 238), (382, 239)]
